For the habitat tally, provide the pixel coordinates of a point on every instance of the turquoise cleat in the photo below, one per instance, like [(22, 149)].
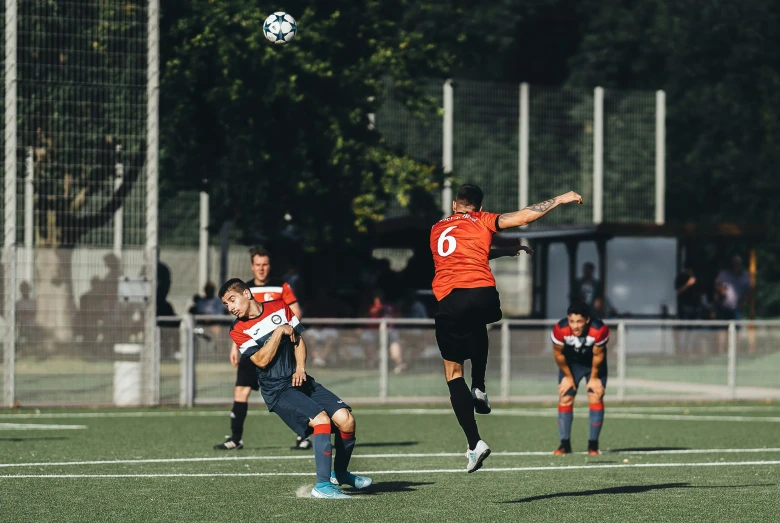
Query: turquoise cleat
[(358, 482), (328, 491)]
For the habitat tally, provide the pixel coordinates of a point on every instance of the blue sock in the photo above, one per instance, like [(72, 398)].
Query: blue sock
[(323, 452), (596, 420), (345, 443), (565, 415)]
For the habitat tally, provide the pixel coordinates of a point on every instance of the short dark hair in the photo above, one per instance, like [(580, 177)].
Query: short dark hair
[(471, 195), (258, 251), (233, 284), (579, 307)]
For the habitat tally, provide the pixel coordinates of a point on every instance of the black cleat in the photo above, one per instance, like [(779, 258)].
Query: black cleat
[(301, 444), (564, 448), (229, 444)]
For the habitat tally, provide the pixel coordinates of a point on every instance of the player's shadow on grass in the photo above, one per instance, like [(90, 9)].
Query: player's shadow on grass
[(386, 487), (389, 444), (628, 489), (39, 438), (643, 449)]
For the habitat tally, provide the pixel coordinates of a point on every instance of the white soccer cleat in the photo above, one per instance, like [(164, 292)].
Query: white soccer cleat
[(481, 403), (477, 456)]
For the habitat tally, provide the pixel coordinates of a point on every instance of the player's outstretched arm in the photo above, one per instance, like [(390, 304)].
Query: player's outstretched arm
[(300, 362), (536, 211), (594, 383), (267, 352), (568, 379), (500, 252)]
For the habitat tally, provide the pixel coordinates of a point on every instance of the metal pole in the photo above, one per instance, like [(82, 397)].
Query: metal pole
[(598, 155), (383, 363), (9, 236), (660, 157), (152, 144), (732, 361), (187, 362), (522, 184), (203, 244), (224, 247), (119, 172), (27, 267), (446, 155), (621, 361), (506, 370)]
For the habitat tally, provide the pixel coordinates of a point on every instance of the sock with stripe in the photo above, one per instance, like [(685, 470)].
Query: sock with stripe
[(463, 405), (344, 443), (565, 415), (323, 452), (596, 420), (237, 417)]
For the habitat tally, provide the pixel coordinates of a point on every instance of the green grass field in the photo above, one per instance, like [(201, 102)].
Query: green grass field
[(702, 462)]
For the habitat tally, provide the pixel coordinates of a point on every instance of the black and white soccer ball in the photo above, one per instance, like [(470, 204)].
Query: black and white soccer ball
[(280, 27)]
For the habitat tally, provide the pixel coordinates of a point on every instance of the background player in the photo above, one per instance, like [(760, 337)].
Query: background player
[(468, 299), (580, 350), (263, 288), (268, 336)]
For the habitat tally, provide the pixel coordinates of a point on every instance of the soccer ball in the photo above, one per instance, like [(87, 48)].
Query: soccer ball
[(280, 27)]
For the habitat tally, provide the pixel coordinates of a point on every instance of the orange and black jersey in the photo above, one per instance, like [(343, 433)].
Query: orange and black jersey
[(579, 349), (252, 333), (460, 245), (273, 289)]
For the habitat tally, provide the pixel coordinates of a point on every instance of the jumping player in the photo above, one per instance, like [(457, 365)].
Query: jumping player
[(268, 335), (580, 350), (468, 299), (264, 288)]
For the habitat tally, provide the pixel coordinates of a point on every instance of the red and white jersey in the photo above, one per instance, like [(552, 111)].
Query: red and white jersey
[(273, 289), (579, 349), (460, 245)]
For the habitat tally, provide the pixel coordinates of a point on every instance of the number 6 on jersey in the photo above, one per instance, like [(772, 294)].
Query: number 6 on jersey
[(449, 240)]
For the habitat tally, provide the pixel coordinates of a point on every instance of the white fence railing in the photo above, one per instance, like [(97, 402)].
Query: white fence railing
[(397, 361)]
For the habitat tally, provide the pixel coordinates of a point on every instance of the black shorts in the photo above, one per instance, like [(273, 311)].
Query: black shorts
[(298, 405), (462, 319), (247, 374), (583, 371)]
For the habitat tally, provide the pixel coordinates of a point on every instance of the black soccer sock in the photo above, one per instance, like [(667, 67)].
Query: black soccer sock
[(479, 359), (462, 404), (323, 452), (237, 417), (344, 443)]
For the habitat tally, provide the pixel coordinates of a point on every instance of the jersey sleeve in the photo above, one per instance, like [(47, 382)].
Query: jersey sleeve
[(288, 296), (556, 335), (293, 320), (246, 345), (602, 336), (489, 220)]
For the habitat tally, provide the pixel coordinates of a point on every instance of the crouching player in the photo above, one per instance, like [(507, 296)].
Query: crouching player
[(268, 334), (580, 350)]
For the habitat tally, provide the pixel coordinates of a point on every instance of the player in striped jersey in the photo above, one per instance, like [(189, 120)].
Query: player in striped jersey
[(268, 336), (264, 288)]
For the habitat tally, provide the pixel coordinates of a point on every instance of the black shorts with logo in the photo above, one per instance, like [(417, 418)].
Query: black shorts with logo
[(462, 319), (247, 374)]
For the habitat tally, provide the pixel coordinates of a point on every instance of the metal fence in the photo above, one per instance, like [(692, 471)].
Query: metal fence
[(397, 361)]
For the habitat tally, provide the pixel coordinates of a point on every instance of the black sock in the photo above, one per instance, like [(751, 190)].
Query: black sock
[(462, 404), (479, 359), (237, 417)]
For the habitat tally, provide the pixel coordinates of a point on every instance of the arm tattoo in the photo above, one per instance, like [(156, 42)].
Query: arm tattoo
[(542, 206)]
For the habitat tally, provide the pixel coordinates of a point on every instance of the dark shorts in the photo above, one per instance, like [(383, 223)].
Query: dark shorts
[(462, 319), (583, 371), (247, 374), (297, 405)]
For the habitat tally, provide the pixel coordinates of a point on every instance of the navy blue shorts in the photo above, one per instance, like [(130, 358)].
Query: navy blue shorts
[(247, 374), (583, 371), (298, 405)]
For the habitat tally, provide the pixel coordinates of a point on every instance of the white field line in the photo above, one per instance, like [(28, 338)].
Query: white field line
[(377, 456), (398, 472), (39, 426)]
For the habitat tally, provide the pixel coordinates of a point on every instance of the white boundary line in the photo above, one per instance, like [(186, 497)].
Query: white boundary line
[(387, 472), (379, 456), (39, 426)]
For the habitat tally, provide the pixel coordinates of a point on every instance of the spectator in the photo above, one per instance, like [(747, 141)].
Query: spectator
[(688, 295), (323, 339), (603, 308), (733, 289), (588, 287), (208, 304), (377, 309), (25, 313)]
